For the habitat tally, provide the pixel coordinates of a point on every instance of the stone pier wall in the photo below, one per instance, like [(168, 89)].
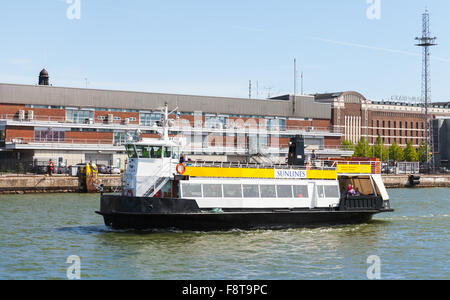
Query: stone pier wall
[(46, 184), (426, 181)]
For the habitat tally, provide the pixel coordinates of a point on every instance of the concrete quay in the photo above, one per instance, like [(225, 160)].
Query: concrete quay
[(21, 184), (426, 181)]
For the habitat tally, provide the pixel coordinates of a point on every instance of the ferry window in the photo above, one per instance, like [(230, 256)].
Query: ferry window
[(232, 191), (284, 191), (176, 153), (131, 151), (320, 191), (268, 191), (155, 152), (212, 190), (331, 191), (192, 190), (143, 151), (251, 191), (301, 191), (167, 152)]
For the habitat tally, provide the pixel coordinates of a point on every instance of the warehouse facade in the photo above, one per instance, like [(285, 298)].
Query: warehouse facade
[(71, 125)]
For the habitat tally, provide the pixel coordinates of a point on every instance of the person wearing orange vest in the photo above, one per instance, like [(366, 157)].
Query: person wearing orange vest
[(51, 167)]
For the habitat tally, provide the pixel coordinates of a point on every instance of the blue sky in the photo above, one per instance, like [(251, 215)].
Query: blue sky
[(214, 48)]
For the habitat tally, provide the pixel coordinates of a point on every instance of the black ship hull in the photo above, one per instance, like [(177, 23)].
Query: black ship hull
[(150, 213)]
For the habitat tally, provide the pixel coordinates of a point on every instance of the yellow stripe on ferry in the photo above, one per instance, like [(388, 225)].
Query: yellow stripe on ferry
[(321, 174), (354, 169)]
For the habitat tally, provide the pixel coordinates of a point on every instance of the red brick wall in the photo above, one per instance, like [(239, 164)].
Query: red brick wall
[(89, 137), (6, 109), (45, 114), (332, 142), (42, 114), (321, 123), (299, 123), (19, 132)]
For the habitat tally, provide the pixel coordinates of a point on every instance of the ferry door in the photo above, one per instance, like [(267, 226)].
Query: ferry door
[(312, 186)]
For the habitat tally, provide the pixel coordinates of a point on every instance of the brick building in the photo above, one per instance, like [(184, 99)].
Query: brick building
[(357, 117), (72, 125)]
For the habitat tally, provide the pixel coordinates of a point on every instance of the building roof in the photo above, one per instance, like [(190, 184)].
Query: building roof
[(305, 106)]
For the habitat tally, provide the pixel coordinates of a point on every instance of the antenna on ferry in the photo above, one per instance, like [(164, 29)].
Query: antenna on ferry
[(166, 121)]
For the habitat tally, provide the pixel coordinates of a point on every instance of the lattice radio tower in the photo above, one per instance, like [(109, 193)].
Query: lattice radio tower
[(426, 41)]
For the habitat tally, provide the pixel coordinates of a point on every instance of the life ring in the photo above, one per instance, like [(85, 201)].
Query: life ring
[(181, 169)]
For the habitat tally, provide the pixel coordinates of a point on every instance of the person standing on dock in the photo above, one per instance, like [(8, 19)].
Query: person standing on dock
[(51, 167)]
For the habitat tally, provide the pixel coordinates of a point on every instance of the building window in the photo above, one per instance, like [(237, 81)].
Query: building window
[(216, 122), (49, 135), (150, 119), (276, 124), (122, 137), (79, 116)]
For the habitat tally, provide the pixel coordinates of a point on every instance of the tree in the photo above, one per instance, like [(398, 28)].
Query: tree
[(410, 153), (422, 152), (396, 152), (363, 149), (347, 145), (380, 151)]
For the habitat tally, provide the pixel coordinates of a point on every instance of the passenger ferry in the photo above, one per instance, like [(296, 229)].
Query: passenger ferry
[(160, 192)]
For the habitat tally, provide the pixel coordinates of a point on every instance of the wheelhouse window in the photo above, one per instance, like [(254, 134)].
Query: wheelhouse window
[(301, 191), (232, 191), (131, 151), (191, 190), (176, 153), (251, 190), (146, 151), (167, 152)]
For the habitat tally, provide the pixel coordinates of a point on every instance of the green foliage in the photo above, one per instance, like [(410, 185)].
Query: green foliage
[(410, 154), (347, 145), (379, 150), (362, 149), (396, 152), (422, 152)]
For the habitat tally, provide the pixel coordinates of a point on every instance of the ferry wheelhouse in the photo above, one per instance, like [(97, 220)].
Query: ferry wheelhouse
[(160, 191)]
